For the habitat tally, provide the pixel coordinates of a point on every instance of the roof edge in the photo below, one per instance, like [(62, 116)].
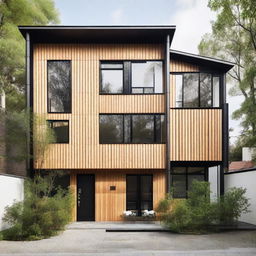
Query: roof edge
[(201, 57)]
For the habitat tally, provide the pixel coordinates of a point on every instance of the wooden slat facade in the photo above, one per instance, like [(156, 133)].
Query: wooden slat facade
[(110, 204), (196, 134), (84, 150)]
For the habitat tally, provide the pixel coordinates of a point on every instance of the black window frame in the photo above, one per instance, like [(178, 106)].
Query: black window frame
[(131, 132), (48, 99), (50, 121), (127, 76), (187, 174), (213, 74), (139, 199)]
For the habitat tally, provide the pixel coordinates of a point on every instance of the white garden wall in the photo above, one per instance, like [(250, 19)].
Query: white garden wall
[(11, 189), (245, 179)]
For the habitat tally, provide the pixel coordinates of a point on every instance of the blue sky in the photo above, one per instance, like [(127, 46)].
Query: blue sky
[(191, 17)]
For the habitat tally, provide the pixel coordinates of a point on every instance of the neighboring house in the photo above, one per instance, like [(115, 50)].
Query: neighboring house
[(132, 118), (246, 163)]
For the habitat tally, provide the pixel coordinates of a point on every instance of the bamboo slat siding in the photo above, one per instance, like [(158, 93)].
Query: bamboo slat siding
[(110, 204), (84, 150), (195, 135)]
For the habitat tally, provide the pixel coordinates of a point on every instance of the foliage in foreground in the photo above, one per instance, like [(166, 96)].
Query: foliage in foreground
[(44, 211), (198, 213)]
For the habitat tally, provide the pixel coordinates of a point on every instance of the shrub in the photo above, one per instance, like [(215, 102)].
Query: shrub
[(198, 213), (232, 205), (43, 213)]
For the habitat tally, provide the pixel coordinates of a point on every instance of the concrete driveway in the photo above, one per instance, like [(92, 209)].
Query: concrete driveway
[(92, 239)]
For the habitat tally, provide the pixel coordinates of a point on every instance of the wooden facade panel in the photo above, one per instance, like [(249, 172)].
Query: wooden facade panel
[(132, 103), (195, 134), (84, 150), (110, 204), (180, 66)]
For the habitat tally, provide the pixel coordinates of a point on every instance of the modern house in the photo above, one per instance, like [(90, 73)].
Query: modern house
[(133, 118)]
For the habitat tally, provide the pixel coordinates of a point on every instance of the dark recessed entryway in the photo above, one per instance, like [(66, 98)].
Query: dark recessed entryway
[(85, 197)]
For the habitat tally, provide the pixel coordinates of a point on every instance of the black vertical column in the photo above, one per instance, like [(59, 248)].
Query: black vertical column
[(167, 112), (225, 137), (28, 95)]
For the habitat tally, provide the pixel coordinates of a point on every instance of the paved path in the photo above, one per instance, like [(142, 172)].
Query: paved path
[(91, 239)]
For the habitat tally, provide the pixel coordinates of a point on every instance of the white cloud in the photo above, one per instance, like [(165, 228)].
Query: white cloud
[(193, 20), (116, 16)]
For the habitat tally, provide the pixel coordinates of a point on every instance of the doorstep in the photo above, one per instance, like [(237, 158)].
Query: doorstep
[(127, 226)]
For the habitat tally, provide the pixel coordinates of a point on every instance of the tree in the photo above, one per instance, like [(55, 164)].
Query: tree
[(15, 140), (233, 38), (12, 45)]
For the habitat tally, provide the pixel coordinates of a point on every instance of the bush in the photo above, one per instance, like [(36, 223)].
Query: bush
[(198, 213), (44, 211), (232, 205)]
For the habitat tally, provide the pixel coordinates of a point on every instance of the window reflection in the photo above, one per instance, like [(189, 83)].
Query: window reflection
[(111, 128), (205, 90), (59, 86), (61, 130), (191, 91)]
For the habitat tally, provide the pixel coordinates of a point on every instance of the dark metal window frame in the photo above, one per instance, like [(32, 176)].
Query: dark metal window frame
[(127, 76), (138, 201), (199, 91), (187, 174), (50, 121), (48, 105), (131, 125)]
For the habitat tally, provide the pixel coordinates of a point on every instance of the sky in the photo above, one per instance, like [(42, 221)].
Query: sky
[(191, 17)]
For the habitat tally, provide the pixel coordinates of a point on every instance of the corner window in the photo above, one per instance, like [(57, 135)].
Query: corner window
[(127, 128), (131, 77), (59, 86), (182, 178), (197, 90), (61, 130)]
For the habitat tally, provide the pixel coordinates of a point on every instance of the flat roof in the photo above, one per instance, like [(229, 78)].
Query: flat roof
[(202, 60), (98, 34)]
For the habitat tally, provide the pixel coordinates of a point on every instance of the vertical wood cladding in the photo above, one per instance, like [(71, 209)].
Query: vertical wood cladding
[(110, 204), (196, 135), (84, 150)]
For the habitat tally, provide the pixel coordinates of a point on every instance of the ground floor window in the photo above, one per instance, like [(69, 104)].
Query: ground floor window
[(182, 178), (139, 193)]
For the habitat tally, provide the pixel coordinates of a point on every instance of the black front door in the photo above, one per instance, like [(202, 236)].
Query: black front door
[(139, 193), (85, 197)]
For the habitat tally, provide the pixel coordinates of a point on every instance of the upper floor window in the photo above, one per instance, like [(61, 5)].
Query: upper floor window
[(197, 90), (61, 130), (131, 77), (135, 128), (59, 86)]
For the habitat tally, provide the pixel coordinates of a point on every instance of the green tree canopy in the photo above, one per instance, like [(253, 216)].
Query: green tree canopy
[(233, 38), (12, 45)]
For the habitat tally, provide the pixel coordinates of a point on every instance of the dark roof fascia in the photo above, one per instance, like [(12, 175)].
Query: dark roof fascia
[(97, 34), (202, 61)]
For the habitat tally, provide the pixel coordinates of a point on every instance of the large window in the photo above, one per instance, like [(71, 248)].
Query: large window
[(130, 77), (139, 193), (197, 90), (126, 128), (182, 178), (59, 86), (61, 130)]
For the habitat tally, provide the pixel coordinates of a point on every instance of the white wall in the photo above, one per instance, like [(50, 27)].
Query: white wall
[(11, 188), (246, 180), (213, 178)]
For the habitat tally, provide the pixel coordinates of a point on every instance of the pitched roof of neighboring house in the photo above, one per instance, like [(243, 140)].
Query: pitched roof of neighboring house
[(240, 165)]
